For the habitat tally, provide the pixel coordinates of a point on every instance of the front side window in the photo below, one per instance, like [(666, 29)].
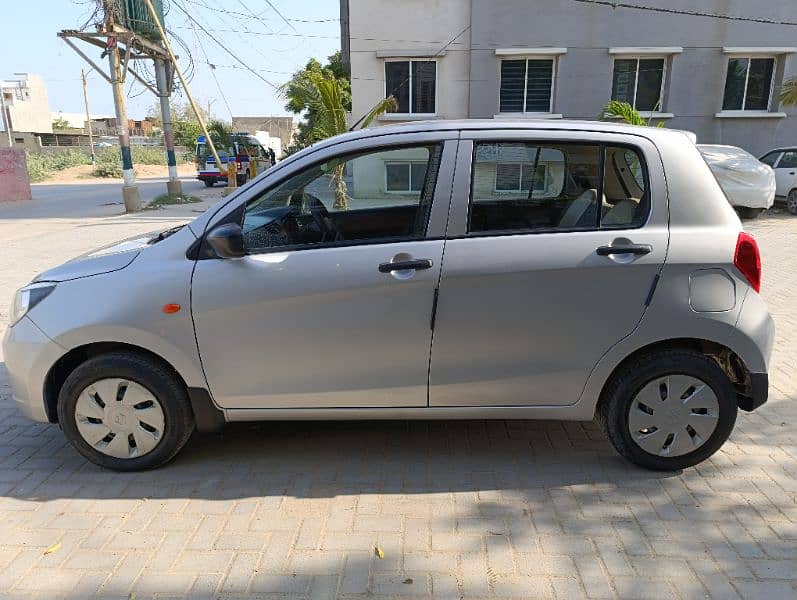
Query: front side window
[(378, 196), (639, 82), (771, 158), (526, 85), (748, 84), (523, 187), (413, 83)]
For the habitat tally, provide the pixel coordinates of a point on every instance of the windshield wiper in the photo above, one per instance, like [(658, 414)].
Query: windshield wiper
[(164, 234)]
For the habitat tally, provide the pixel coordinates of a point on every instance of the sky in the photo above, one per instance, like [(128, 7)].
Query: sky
[(267, 44)]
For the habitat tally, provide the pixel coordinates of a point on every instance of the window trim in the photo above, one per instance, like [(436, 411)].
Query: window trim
[(408, 163), (411, 60), (744, 111), (549, 230), (520, 179), (439, 143), (659, 112), (554, 58)]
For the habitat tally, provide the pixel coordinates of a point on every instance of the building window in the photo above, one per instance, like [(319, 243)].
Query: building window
[(519, 177), (748, 84), (639, 82), (405, 177), (527, 85), (413, 83)]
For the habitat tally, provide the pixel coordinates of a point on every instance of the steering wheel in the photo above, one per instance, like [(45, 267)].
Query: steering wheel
[(321, 217)]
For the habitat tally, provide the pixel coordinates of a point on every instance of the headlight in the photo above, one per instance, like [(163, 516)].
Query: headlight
[(28, 297)]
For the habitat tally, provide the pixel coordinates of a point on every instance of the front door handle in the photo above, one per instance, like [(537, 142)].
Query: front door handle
[(635, 249), (406, 265)]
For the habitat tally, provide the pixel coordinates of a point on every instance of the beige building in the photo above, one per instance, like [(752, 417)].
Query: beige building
[(398, 48), (27, 106)]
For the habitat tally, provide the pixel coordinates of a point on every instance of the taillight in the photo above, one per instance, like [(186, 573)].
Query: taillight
[(747, 259)]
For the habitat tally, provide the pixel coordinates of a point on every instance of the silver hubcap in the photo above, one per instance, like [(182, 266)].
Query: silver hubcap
[(791, 203), (119, 418), (673, 415)]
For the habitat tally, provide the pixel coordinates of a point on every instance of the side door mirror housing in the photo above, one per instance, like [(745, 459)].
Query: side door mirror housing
[(227, 241)]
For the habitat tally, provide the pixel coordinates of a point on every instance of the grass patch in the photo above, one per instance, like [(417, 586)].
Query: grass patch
[(171, 200)]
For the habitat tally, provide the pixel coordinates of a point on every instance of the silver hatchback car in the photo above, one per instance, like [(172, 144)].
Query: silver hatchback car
[(445, 270)]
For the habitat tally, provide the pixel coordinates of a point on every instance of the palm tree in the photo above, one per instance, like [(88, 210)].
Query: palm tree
[(324, 95), (788, 92), (627, 113)]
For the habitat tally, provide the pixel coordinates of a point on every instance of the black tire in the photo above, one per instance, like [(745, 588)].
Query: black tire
[(159, 380), (747, 213), (624, 385), (241, 179), (791, 202), (209, 182)]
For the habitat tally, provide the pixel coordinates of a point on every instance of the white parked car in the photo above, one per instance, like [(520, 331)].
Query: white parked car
[(748, 183), (784, 161)]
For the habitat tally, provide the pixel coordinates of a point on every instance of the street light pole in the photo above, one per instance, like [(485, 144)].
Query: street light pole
[(130, 194)]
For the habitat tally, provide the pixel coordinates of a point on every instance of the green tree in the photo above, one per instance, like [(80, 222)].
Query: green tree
[(626, 113), (295, 92), (788, 92), (61, 123), (184, 122), (327, 99)]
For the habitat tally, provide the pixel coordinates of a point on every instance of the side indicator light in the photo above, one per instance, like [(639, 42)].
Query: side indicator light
[(170, 309)]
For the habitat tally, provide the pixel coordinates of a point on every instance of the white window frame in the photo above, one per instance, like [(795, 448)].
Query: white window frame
[(665, 73), (409, 164), (544, 166), (411, 60), (554, 58), (743, 110)]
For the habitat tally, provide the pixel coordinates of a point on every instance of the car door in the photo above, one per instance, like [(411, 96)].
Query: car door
[(331, 306), (786, 173), (554, 246)]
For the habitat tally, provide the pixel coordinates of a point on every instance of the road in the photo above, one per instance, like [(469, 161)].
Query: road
[(85, 199)]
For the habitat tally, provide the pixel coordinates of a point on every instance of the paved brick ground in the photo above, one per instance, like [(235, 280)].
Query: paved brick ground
[(479, 509)]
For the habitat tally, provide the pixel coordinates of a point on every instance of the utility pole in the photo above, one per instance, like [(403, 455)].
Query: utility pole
[(6, 119), (130, 194), (88, 117), (163, 81)]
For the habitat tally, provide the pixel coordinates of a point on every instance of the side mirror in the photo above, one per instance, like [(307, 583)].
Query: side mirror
[(227, 241)]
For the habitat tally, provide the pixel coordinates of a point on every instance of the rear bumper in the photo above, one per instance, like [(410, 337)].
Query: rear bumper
[(759, 391)]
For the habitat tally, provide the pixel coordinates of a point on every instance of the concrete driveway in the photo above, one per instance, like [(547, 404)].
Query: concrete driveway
[(460, 509)]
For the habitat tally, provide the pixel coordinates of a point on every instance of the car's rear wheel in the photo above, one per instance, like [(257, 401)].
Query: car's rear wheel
[(125, 411), (670, 410), (209, 182), (791, 202), (747, 213)]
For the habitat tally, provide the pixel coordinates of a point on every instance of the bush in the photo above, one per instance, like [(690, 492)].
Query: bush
[(109, 163), (148, 155), (41, 165)]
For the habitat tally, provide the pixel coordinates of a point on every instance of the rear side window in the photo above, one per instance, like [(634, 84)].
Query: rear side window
[(789, 160), (525, 186)]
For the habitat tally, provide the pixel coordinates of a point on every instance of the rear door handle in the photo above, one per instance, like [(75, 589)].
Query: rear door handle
[(635, 249), (419, 264)]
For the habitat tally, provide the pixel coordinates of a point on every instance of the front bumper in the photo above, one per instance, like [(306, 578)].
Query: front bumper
[(29, 354)]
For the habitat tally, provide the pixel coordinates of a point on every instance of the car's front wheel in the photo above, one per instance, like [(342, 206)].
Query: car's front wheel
[(125, 411), (670, 410)]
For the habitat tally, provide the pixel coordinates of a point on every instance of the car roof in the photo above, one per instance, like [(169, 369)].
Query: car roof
[(786, 149), (501, 124)]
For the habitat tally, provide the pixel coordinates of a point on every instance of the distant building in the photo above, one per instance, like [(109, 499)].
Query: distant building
[(27, 106), (76, 120), (554, 59), (277, 127), (107, 126)]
